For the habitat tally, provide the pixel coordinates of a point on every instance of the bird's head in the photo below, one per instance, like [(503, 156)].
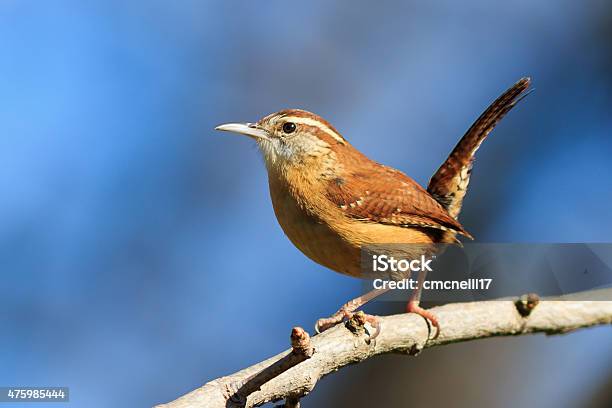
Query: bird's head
[(290, 137)]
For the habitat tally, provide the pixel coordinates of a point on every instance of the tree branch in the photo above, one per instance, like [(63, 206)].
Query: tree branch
[(405, 334)]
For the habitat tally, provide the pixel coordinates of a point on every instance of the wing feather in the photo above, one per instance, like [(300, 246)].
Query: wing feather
[(384, 195)]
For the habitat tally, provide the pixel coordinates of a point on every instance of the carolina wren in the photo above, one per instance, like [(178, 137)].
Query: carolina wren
[(331, 200)]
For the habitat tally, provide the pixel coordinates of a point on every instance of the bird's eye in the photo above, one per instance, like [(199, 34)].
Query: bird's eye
[(289, 127)]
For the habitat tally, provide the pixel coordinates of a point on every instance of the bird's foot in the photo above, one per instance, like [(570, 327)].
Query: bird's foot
[(342, 314), (413, 307), (325, 323), (348, 310)]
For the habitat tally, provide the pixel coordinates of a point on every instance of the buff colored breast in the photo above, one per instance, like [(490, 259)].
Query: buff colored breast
[(330, 238)]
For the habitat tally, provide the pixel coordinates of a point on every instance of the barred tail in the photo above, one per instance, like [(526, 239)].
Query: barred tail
[(449, 184)]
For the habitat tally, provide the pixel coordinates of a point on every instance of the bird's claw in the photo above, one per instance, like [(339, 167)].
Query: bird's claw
[(329, 322), (325, 323), (413, 307)]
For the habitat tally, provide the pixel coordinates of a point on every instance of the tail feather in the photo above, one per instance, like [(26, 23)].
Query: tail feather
[(449, 184)]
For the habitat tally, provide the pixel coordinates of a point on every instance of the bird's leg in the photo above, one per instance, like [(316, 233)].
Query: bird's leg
[(413, 304), (347, 311)]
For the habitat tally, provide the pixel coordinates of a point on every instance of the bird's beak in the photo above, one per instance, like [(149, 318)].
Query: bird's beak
[(248, 129)]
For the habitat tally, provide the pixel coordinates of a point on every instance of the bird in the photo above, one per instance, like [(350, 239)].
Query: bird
[(332, 201)]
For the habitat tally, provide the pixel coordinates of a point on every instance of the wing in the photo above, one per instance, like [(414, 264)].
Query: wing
[(384, 195)]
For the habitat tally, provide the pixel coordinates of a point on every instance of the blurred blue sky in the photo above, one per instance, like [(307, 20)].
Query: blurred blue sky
[(138, 248)]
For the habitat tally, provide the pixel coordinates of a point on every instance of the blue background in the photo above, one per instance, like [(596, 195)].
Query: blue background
[(139, 254)]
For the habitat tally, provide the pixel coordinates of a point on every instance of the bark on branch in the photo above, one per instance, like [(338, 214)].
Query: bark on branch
[(405, 334)]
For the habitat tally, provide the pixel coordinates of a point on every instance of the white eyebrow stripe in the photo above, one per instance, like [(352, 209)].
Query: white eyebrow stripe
[(315, 123)]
